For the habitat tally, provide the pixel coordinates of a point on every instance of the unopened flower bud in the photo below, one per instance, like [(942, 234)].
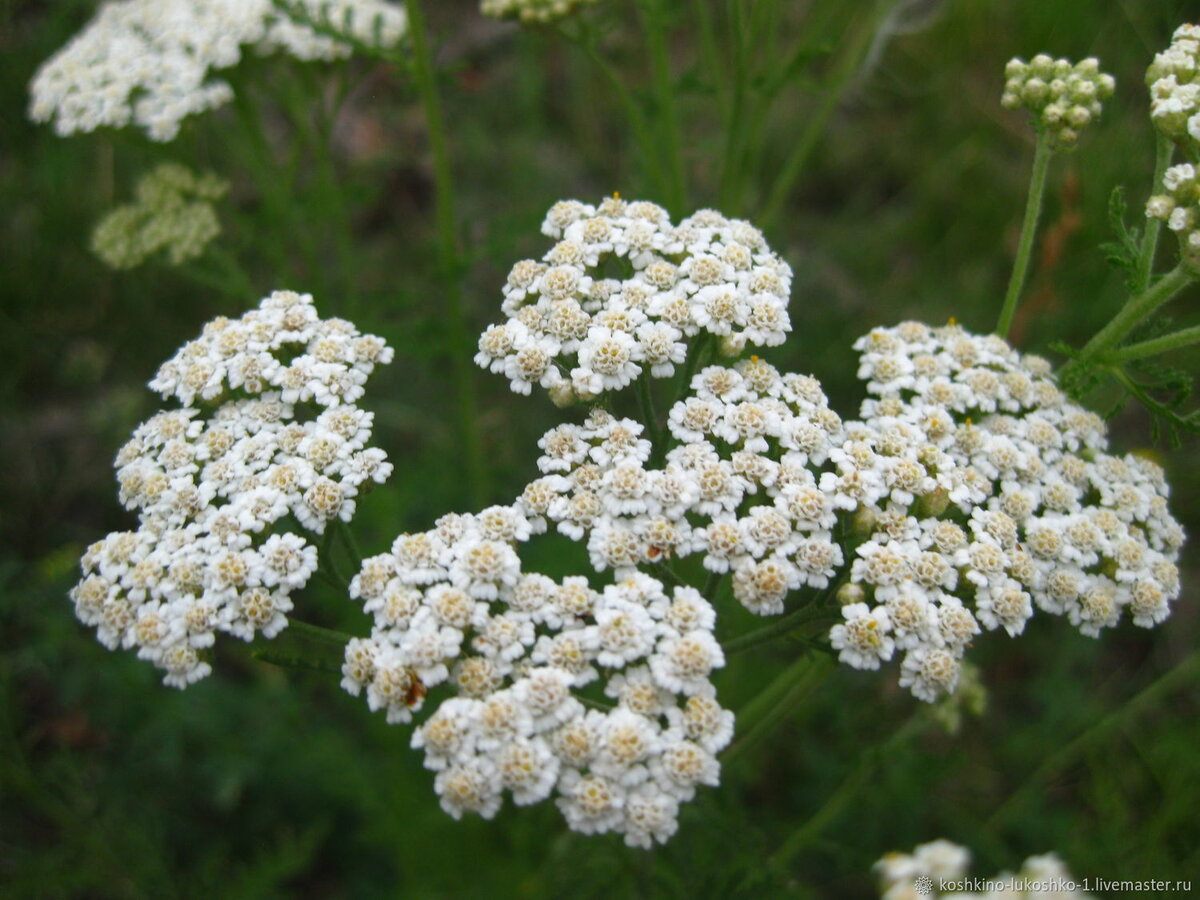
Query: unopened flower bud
[(850, 593)]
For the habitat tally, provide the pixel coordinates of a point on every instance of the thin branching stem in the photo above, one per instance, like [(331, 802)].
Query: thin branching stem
[(351, 544), (326, 556), (778, 701), (1153, 347), (811, 613), (654, 15), (735, 107), (449, 260), (1183, 673), (711, 584), (1136, 310), (1164, 149), (318, 632), (275, 191), (647, 145), (847, 66), (854, 781), (645, 401), (1033, 210)]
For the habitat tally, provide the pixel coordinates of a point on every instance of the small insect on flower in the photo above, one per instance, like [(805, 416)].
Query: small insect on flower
[(416, 690)]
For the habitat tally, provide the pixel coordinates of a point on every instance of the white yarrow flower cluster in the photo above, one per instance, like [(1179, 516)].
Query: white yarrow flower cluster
[(532, 11), (1063, 97), (970, 493), (520, 649), (939, 869), (1174, 82), (268, 428), (148, 62), (577, 333), (173, 214), (1001, 500)]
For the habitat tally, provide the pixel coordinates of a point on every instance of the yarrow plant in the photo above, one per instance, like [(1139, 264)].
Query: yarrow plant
[(173, 214), (968, 491), (148, 62), (268, 431)]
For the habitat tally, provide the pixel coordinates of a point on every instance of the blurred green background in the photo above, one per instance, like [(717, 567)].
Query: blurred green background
[(260, 782)]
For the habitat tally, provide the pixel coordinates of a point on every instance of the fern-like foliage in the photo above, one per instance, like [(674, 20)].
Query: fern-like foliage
[(1162, 389), (1124, 251)]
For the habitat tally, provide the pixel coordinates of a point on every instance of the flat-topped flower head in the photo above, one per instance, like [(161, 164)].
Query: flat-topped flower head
[(532, 11), (1174, 82), (577, 330), (1062, 97), (173, 214), (517, 647), (148, 62), (211, 481), (985, 494)]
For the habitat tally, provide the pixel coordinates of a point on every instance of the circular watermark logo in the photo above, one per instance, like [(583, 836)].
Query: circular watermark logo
[(923, 885)]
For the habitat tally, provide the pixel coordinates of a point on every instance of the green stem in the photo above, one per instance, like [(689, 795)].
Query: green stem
[(326, 556), (650, 417), (730, 169), (813, 612), (1182, 674), (868, 762), (330, 193), (448, 252), (275, 192), (700, 346), (319, 633), (643, 137), (708, 47), (1164, 149), (778, 701), (234, 274), (1155, 346), (710, 586), (654, 22), (290, 660), (1033, 211), (350, 543), (1135, 310), (215, 280), (831, 97)]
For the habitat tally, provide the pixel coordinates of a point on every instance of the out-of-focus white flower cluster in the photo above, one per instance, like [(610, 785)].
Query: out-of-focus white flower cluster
[(1174, 81), (454, 604), (578, 333), (1062, 97), (173, 212), (987, 493), (532, 10), (1180, 209), (148, 62), (268, 428), (939, 869)]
